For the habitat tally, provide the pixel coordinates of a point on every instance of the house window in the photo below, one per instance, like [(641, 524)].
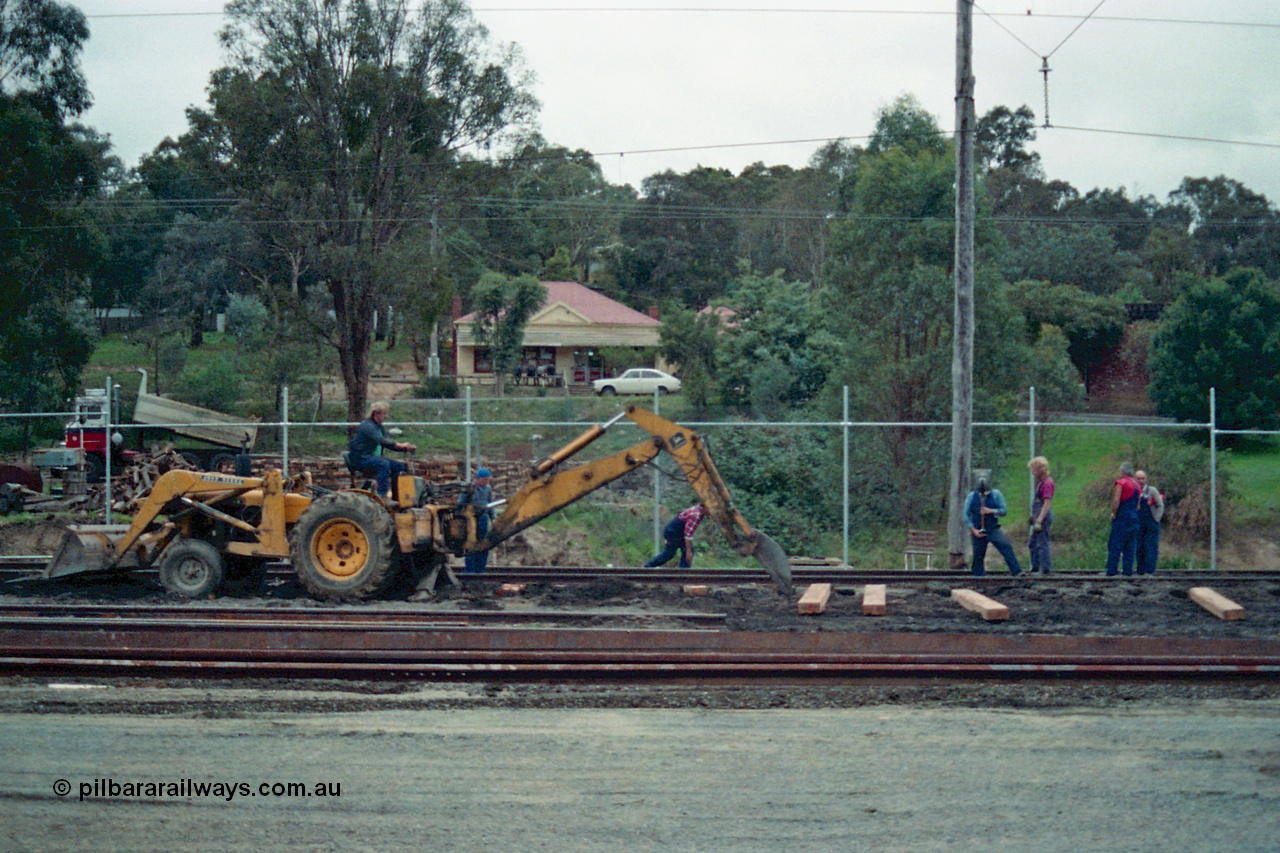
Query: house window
[(484, 360)]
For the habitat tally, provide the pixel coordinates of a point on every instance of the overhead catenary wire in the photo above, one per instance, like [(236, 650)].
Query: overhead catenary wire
[(741, 10), (516, 159), (1044, 58)]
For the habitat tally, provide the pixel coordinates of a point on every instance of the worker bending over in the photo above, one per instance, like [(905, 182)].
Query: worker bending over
[(678, 535)]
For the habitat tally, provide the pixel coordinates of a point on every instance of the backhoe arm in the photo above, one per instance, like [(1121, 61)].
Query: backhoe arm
[(551, 489)]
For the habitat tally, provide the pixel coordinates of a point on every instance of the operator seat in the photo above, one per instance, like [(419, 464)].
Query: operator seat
[(359, 479)]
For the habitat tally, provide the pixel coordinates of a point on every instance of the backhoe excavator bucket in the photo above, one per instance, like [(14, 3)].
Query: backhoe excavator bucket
[(86, 548), (774, 560)]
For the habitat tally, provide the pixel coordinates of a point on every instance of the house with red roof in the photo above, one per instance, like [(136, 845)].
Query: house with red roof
[(565, 334)]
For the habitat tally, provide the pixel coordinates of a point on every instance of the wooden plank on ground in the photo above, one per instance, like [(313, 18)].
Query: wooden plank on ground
[(695, 589), (988, 608), (511, 589), (873, 599), (1216, 603), (815, 598)]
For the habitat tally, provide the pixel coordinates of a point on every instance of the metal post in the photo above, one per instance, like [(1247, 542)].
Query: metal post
[(844, 556), (106, 457), (284, 431), (657, 492), (466, 429), (1031, 418), (433, 360), (1213, 478)]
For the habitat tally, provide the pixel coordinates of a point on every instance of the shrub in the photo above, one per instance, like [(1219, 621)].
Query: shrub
[(437, 387), (1181, 472), (246, 319), (217, 385)]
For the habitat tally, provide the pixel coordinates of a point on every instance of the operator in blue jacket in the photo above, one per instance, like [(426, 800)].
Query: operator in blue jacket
[(982, 512), (363, 449)]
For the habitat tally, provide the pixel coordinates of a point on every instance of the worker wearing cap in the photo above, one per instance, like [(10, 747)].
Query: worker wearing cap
[(478, 495), (982, 511)]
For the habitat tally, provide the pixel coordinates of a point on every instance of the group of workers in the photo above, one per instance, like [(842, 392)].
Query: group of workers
[(1137, 508)]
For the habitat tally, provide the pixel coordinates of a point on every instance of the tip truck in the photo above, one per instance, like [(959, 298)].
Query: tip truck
[(204, 437)]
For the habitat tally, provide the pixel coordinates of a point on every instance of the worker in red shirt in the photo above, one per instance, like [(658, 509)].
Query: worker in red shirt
[(678, 535), (1124, 522)]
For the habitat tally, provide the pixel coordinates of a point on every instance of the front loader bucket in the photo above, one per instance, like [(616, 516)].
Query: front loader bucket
[(774, 560), (86, 548)]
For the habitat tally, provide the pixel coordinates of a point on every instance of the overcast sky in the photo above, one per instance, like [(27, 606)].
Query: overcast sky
[(649, 85)]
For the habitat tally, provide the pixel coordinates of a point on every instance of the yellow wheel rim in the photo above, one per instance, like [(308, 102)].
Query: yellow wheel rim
[(340, 549)]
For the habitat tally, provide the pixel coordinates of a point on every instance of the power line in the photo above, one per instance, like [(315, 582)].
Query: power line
[(765, 11), (596, 156), (1176, 137)]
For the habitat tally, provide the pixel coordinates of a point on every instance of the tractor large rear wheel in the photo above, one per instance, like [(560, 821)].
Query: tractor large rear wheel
[(342, 547)]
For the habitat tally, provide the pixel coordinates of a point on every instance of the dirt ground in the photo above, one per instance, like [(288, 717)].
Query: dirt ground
[(1095, 606)]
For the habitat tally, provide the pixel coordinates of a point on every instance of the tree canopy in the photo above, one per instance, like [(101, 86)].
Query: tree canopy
[(50, 168), (332, 121), (1223, 333)]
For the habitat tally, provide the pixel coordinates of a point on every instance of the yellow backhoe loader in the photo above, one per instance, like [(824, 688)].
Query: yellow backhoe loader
[(194, 527)]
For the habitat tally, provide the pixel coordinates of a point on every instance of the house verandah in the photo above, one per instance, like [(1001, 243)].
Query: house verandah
[(564, 337)]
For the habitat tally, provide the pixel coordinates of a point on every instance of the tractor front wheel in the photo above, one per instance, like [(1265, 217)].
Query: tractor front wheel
[(342, 547), (191, 568)]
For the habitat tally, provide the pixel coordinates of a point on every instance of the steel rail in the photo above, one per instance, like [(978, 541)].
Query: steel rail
[(377, 648), (114, 616), (20, 569)]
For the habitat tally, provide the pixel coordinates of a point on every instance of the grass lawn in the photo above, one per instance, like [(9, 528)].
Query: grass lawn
[(1254, 467)]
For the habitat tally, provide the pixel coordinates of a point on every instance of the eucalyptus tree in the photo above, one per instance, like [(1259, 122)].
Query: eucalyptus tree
[(889, 292), (50, 170), (504, 304), (1230, 224), (332, 121)]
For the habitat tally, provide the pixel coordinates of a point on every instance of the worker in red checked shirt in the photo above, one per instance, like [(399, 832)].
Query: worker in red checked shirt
[(678, 534)]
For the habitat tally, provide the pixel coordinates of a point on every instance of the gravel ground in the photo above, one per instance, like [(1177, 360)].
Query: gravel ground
[(1194, 775)]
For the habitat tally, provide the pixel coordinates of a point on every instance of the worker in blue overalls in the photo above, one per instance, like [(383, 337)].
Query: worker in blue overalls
[(982, 512)]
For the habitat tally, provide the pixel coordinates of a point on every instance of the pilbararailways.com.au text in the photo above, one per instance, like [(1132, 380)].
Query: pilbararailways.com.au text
[(187, 788)]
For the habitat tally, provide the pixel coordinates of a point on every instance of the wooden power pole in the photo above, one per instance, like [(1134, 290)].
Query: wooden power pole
[(962, 332)]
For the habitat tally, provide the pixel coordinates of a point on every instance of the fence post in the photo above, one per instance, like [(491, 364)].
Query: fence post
[(1213, 479), (657, 493), (284, 431), (1031, 421), (106, 458), (845, 428), (466, 429)]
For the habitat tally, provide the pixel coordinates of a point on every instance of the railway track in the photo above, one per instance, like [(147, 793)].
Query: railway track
[(199, 641), (26, 569)]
